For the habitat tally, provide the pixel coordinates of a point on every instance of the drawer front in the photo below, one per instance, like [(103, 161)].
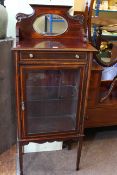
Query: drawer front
[(35, 55), (101, 116)]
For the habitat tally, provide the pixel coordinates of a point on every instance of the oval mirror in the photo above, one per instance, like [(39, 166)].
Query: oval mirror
[(50, 25), (107, 56)]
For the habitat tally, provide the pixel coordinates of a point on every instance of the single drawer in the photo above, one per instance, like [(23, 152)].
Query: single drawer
[(35, 55)]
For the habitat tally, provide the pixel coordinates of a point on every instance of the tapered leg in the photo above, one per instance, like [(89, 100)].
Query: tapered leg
[(80, 142), (20, 158)]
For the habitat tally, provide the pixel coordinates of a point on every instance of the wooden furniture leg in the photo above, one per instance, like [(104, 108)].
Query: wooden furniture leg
[(80, 142), (20, 157)]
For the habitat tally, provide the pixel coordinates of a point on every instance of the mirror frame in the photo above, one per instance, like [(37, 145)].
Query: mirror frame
[(112, 56)]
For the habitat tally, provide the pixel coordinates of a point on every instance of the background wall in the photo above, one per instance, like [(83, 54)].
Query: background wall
[(13, 8), (52, 2), (79, 5)]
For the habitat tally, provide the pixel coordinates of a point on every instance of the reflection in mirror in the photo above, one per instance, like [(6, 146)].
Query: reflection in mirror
[(49, 44), (107, 55), (50, 25)]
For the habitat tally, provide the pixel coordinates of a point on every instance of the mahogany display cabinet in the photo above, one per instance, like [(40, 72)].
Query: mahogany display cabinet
[(52, 77)]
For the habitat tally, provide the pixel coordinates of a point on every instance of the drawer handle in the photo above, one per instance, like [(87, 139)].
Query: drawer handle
[(31, 55), (77, 56)]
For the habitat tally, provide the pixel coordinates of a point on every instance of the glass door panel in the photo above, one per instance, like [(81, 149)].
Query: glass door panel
[(51, 98)]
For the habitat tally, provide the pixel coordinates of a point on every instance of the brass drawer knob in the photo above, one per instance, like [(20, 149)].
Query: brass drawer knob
[(77, 56), (31, 55)]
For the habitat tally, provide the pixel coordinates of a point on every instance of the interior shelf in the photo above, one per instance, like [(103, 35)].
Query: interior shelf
[(45, 125), (50, 93)]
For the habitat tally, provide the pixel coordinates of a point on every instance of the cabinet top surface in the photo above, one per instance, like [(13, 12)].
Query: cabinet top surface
[(54, 45)]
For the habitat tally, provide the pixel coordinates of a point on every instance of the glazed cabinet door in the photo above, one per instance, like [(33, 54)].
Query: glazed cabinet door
[(50, 99)]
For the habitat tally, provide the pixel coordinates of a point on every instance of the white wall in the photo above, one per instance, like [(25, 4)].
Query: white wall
[(13, 8), (52, 2)]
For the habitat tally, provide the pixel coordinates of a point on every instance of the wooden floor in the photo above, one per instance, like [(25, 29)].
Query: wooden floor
[(8, 162)]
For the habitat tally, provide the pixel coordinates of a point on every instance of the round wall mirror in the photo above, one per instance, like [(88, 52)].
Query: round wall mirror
[(50, 25), (107, 55)]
